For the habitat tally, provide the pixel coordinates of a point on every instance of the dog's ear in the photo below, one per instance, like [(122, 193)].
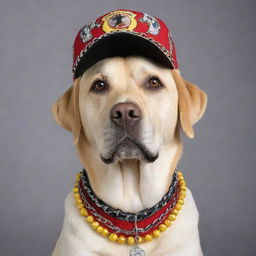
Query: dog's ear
[(192, 103), (66, 110)]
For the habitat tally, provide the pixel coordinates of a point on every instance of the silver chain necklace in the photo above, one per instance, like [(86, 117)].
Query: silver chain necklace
[(136, 251)]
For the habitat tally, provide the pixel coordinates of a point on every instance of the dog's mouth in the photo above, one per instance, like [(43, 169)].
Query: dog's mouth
[(129, 148)]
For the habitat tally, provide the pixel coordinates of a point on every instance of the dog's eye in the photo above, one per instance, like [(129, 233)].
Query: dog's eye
[(99, 86), (154, 83)]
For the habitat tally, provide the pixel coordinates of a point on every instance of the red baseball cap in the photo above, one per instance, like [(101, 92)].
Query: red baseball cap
[(123, 33)]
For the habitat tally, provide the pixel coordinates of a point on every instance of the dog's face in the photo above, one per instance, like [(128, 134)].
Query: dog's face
[(128, 107)]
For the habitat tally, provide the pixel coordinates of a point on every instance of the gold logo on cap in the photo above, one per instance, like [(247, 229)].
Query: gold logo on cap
[(119, 20)]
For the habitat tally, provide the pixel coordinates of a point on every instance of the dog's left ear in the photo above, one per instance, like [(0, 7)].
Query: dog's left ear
[(66, 110), (192, 103)]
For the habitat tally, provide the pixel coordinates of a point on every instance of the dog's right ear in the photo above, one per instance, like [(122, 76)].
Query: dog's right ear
[(66, 110)]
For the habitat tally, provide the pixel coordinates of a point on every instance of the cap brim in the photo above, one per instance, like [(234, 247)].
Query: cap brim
[(121, 44)]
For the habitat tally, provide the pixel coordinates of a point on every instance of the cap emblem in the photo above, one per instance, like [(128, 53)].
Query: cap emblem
[(85, 33), (119, 20), (153, 24)]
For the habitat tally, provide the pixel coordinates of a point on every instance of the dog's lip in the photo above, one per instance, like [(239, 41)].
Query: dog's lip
[(149, 156)]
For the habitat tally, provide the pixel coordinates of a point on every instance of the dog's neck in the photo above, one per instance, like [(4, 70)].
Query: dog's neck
[(131, 185)]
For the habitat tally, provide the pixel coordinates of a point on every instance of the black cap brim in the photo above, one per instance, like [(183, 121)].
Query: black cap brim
[(122, 44)]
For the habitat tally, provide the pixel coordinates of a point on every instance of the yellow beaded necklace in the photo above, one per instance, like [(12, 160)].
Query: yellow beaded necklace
[(92, 220)]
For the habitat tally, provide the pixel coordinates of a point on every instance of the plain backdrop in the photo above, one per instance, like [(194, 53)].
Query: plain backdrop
[(215, 43)]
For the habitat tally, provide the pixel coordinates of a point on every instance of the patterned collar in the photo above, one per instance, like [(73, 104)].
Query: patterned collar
[(118, 223)]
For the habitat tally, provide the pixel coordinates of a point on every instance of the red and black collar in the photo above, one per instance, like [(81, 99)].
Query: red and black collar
[(128, 224)]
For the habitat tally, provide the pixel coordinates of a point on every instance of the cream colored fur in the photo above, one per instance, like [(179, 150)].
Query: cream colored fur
[(130, 184)]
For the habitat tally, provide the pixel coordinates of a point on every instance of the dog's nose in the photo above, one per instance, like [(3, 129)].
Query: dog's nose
[(125, 114)]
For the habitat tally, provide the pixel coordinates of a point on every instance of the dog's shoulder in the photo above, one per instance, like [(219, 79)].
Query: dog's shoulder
[(182, 238)]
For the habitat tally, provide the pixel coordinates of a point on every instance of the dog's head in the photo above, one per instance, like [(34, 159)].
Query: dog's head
[(129, 107)]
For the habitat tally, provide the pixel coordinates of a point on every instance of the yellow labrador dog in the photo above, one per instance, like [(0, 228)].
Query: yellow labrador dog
[(125, 114)]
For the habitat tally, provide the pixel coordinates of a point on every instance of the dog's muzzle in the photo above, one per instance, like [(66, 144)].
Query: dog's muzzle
[(126, 144)]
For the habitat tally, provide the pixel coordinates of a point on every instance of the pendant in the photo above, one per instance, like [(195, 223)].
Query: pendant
[(137, 252)]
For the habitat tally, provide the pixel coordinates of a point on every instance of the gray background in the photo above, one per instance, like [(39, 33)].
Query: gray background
[(215, 43)]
